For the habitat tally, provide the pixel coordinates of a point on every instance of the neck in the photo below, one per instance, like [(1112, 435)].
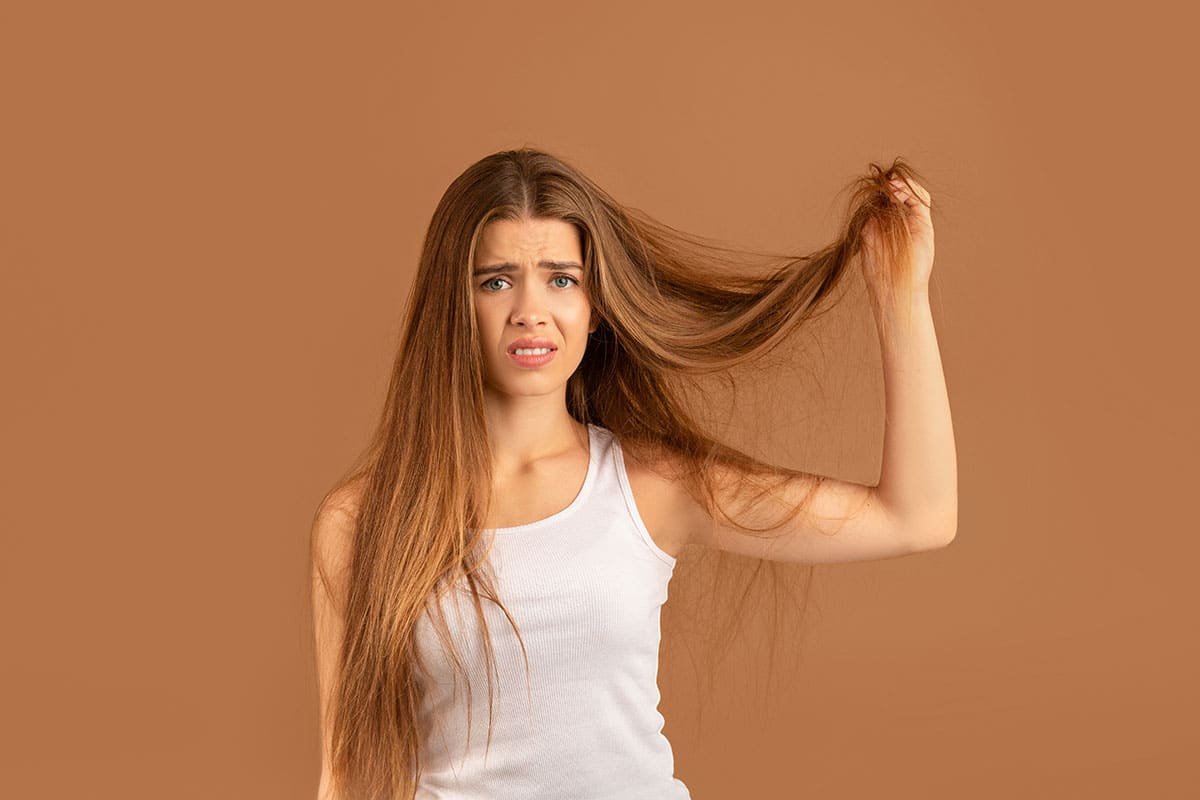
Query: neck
[(528, 430)]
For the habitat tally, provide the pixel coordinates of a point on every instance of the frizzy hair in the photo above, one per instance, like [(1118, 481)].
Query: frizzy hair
[(672, 307)]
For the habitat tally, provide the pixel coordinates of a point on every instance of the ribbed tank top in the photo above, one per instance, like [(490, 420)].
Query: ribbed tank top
[(585, 586)]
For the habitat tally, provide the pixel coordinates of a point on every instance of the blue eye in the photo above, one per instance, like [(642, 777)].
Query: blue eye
[(485, 284)]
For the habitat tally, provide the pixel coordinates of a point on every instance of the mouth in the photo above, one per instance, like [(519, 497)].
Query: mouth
[(532, 356)]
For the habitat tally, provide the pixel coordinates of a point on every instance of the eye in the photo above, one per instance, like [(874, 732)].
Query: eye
[(486, 285)]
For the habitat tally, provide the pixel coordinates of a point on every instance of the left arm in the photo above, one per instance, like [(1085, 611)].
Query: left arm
[(915, 505), (913, 508)]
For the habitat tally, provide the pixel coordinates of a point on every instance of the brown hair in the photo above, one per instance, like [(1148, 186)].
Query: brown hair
[(673, 307)]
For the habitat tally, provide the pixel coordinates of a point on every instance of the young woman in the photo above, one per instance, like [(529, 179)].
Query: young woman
[(504, 544)]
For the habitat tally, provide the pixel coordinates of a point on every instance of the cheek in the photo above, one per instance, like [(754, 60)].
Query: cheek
[(581, 313), (486, 315)]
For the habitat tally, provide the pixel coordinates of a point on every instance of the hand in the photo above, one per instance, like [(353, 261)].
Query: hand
[(916, 201)]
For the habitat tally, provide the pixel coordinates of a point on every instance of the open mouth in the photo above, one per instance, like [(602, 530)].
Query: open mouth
[(532, 356)]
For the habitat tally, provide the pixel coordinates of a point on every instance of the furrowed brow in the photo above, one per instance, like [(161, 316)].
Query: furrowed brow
[(491, 269)]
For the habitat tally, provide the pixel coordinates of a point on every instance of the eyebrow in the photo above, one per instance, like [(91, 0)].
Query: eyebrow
[(488, 270)]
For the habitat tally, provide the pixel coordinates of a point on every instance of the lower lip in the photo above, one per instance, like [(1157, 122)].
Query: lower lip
[(533, 360)]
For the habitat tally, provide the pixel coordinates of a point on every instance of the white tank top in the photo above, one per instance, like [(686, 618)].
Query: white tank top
[(585, 586)]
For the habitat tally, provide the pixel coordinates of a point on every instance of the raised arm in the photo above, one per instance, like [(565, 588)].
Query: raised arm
[(915, 505)]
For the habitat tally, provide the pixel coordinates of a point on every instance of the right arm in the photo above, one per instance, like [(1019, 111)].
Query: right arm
[(331, 540)]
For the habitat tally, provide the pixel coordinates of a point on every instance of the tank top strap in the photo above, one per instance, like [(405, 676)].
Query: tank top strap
[(613, 488)]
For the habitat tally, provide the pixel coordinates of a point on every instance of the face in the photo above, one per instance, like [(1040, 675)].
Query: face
[(517, 296)]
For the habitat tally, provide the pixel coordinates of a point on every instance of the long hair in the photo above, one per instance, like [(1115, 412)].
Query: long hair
[(672, 307)]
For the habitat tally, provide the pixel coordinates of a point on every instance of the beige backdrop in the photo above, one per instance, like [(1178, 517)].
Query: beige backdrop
[(209, 218)]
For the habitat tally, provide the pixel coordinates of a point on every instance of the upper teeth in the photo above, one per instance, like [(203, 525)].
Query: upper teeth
[(531, 351)]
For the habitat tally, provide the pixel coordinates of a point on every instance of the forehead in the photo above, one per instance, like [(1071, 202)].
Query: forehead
[(527, 240)]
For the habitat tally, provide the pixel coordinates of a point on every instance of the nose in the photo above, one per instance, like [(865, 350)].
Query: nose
[(528, 307)]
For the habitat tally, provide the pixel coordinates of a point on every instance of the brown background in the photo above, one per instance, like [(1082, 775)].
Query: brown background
[(210, 214)]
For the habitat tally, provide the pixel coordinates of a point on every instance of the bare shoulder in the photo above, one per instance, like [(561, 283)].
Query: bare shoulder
[(670, 514), (343, 499), (333, 529)]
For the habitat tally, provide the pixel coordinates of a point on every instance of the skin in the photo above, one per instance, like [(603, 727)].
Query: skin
[(540, 453)]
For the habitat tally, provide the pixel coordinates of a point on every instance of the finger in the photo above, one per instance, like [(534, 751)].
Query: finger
[(919, 190), (909, 196), (916, 188), (901, 193)]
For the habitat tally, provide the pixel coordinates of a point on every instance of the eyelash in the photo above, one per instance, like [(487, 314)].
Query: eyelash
[(556, 277)]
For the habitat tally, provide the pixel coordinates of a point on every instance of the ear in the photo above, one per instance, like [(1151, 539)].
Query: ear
[(593, 322)]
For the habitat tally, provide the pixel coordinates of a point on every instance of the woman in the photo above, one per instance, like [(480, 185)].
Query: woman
[(505, 542)]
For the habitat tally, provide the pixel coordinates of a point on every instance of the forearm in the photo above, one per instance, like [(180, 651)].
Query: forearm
[(918, 481)]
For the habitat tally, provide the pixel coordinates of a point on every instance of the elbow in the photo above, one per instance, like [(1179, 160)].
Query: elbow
[(947, 528), (934, 532)]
